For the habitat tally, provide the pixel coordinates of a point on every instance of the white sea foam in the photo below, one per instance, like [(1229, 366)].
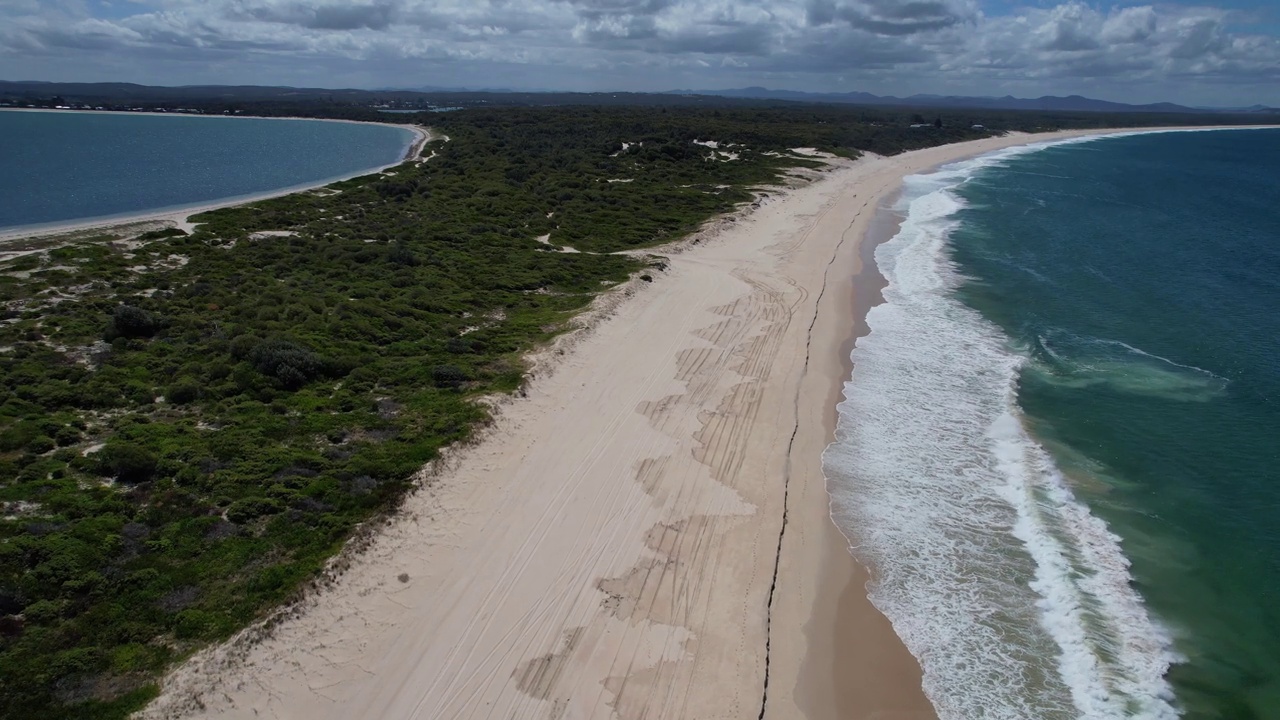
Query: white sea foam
[(1091, 361), (1014, 597)]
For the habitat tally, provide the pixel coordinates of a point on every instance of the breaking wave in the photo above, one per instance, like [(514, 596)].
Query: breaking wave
[(1016, 600)]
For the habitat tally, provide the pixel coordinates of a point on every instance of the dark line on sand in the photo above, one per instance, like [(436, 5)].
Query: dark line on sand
[(786, 483)]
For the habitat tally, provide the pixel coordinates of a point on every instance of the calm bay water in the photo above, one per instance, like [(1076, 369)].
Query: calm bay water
[(1061, 442), (62, 167)]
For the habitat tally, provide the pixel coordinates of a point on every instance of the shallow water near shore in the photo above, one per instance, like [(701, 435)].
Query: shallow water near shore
[(1057, 448), (73, 166)]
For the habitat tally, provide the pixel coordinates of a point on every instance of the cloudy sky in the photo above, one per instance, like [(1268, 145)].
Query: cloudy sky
[(1227, 53)]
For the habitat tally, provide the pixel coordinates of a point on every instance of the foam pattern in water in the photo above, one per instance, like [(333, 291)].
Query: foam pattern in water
[(1064, 359), (1015, 598)]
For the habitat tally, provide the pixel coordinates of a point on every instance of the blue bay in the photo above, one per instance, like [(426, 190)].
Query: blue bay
[(63, 167)]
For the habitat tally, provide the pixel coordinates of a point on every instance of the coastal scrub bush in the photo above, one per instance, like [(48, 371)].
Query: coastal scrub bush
[(67, 435), (162, 234), (42, 612), (243, 345), (126, 462), (399, 254), (448, 376), (40, 445), (292, 365), (182, 393), (131, 322), (249, 509)]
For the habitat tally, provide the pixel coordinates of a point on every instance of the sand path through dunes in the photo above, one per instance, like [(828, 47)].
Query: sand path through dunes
[(609, 550)]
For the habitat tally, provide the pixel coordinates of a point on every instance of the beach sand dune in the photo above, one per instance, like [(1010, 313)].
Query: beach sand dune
[(644, 535)]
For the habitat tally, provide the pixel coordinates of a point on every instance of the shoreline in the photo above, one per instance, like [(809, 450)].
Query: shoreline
[(177, 216), (850, 664), (835, 676), (611, 545)]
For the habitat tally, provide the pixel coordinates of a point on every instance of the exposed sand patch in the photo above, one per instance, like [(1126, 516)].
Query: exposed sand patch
[(546, 240), (268, 234), (626, 146), (15, 254), (18, 509), (812, 152)]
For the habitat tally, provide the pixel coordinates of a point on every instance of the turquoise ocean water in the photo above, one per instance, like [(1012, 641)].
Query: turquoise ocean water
[(62, 167), (1060, 448)]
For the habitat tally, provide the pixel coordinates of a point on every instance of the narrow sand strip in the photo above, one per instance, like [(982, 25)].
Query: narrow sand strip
[(615, 547)]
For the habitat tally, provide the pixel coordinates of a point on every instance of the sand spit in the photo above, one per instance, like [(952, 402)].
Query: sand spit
[(645, 534)]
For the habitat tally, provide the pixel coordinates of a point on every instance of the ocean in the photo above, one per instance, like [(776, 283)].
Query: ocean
[(74, 166), (1060, 447)]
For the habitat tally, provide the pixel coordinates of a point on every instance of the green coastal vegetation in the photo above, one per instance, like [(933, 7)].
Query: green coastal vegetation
[(192, 425)]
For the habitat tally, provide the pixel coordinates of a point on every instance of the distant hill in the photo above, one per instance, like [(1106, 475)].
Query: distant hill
[(1071, 103), (153, 93), (126, 95)]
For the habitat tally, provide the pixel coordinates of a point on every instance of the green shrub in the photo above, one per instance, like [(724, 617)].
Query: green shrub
[(40, 445), (398, 254), (248, 509), (128, 321), (42, 612), (463, 345), (66, 435), (182, 393), (292, 365), (126, 463), (448, 376), (162, 234), (16, 437), (194, 624), (75, 661), (243, 345)]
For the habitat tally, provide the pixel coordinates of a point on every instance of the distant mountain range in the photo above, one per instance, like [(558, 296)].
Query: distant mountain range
[(1073, 103), (129, 93)]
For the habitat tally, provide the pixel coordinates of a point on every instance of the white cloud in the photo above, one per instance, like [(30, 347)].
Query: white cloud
[(879, 45)]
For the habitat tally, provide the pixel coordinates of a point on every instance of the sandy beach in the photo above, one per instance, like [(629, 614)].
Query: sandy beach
[(644, 534)]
